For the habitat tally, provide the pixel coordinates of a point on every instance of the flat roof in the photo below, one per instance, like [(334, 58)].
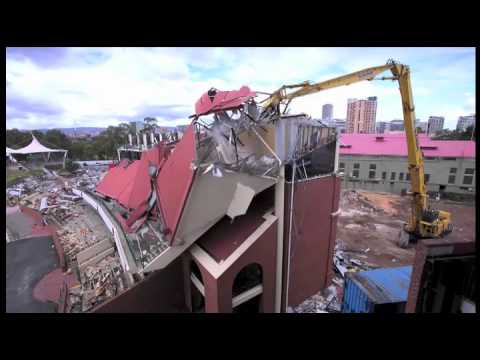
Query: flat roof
[(396, 145)]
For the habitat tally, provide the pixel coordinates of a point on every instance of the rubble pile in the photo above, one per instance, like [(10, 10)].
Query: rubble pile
[(97, 284), (148, 242), (88, 178), (26, 191), (349, 260), (326, 301), (79, 228)]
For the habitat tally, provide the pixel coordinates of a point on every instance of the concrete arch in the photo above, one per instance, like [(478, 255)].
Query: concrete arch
[(248, 279)]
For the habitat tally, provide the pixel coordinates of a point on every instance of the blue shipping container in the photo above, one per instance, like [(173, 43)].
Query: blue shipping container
[(380, 290)]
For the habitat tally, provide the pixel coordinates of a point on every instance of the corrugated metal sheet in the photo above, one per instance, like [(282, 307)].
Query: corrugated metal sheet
[(364, 290)]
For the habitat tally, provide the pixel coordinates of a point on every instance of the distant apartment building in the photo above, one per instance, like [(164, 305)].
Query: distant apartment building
[(379, 163), (381, 127), (396, 125), (327, 113), (435, 124), (361, 115), (464, 122)]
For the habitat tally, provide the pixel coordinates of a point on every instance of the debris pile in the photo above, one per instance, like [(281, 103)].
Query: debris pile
[(148, 242), (97, 284), (327, 301), (89, 178), (349, 260)]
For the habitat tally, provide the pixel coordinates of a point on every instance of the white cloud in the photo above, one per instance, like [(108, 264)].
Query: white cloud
[(101, 86)]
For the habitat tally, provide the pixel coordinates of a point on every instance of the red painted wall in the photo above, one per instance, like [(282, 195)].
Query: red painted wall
[(313, 237), (218, 292), (159, 292)]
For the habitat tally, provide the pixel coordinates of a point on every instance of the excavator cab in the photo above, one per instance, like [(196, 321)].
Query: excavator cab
[(433, 224)]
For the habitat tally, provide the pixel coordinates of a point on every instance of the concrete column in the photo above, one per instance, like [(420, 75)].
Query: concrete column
[(130, 140), (152, 138), (145, 140), (138, 140), (279, 213), (337, 147)]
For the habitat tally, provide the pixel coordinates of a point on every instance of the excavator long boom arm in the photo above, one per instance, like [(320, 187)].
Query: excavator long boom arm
[(401, 73)]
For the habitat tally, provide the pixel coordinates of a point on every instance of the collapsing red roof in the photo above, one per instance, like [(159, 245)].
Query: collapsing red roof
[(214, 100), (174, 181), (129, 184)]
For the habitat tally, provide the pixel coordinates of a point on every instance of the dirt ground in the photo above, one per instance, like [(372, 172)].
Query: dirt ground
[(369, 223)]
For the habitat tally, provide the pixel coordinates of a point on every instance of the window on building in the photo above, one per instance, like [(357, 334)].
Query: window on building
[(341, 166), (408, 176), (371, 174), (400, 176), (468, 178), (356, 166), (426, 178), (373, 166), (384, 175), (392, 175), (355, 173), (451, 179), (453, 170)]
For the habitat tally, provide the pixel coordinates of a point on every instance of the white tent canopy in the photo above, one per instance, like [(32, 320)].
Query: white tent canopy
[(35, 147)]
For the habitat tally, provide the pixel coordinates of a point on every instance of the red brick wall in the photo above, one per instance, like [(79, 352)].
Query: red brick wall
[(313, 237)]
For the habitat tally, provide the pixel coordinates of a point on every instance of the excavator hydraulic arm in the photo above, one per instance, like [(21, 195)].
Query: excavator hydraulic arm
[(424, 222)]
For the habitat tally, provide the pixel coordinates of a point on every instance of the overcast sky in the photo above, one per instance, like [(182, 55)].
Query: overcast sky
[(73, 87)]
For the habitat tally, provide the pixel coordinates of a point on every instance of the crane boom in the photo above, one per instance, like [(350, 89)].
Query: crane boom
[(423, 221)]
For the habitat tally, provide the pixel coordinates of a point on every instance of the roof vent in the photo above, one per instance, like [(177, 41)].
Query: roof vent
[(379, 138)]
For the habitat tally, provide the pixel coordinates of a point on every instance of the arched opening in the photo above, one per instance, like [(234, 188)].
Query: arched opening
[(197, 288), (247, 289)]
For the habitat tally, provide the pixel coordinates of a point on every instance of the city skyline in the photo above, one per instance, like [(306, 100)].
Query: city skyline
[(73, 87)]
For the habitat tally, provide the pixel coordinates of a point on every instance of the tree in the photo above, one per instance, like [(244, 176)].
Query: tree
[(16, 139), (468, 134), (57, 139), (150, 124)]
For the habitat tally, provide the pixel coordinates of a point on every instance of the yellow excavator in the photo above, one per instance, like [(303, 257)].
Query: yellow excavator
[(424, 222)]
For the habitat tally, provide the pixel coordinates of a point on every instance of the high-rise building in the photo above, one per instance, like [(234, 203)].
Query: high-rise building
[(382, 127), (361, 115), (464, 122), (435, 124), (327, 113)]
